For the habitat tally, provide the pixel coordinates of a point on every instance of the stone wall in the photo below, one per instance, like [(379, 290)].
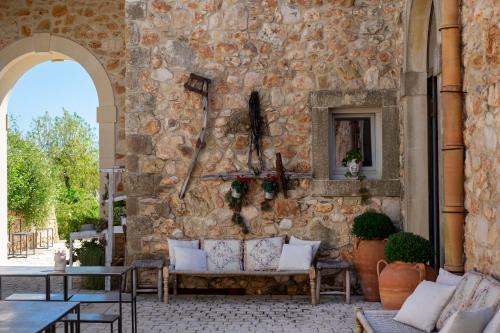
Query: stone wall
[(97, 25), (282, 49), (481, 62)]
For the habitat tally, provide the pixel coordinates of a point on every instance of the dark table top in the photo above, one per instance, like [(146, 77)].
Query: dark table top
[(331, 263), (25, 270), (69, 271), (29, 317), (92, 270)]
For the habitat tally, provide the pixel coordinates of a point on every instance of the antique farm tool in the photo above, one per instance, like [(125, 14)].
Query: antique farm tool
[(198, 85), (280, 170), (255, 132)]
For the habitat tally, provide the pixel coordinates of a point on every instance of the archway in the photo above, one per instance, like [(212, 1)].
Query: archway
[(421, 67), (17, 58)]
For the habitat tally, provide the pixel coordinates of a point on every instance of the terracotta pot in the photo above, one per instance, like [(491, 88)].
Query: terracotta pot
[(367, 253), (398, 280)]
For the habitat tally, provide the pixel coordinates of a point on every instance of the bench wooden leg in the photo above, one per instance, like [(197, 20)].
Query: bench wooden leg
[(312, 282), (160, 282), (358, 327), (165, 284), (174, 283), (348, 286), (318, 285)]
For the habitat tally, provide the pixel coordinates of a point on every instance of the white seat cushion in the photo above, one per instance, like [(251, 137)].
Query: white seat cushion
[(422, 308), (223, 255), (472, 321), (448, 278), (263, 254), (494, 324), (190, 259), (173, 243), (295, 257), (461, 299), (315, 244)]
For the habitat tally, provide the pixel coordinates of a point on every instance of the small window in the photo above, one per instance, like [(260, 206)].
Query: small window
[(355, 129)]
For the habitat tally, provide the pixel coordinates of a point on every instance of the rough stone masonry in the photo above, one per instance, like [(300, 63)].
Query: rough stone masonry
[(282, 49)]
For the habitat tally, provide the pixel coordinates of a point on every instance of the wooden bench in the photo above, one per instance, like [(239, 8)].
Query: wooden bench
[(168, 272)]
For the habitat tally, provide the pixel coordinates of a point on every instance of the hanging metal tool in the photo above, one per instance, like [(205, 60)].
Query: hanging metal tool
[(255, 132), (198, 85)]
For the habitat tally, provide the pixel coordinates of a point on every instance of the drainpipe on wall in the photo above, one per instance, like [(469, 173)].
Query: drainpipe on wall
[(453, 145)]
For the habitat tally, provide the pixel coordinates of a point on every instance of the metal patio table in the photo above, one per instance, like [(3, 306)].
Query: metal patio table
[(118, 271), (48, 272), (36, 316)]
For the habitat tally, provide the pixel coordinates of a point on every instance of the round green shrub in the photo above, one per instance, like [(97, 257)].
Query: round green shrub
[(372, 225), (408, 247)]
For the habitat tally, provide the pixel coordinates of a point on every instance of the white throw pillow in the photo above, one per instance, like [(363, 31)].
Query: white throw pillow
[(468, 321), (422, 308), (315, 244), (173, 243), (187, 259), (448, 278), (494, 324), (295, 257)]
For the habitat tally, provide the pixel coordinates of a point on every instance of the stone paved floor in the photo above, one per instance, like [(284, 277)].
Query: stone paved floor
[(212, 313)]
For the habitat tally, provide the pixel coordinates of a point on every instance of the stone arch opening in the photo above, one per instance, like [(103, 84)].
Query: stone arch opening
[(422, 16), (20, 56)]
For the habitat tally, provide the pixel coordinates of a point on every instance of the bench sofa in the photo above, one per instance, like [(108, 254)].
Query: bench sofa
[(241, 266), (474, 291)]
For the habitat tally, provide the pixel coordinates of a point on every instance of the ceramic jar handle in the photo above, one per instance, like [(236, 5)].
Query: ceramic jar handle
[(378, 266), (421, 271)]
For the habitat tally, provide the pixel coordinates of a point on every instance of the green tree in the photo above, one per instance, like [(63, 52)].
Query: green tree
[(70, 144), (30, 188)]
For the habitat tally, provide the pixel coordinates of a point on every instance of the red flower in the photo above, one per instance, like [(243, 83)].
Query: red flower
[(272, 178), (243, 179)]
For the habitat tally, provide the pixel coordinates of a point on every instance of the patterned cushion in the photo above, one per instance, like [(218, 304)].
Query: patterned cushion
[(263, 254), (461, 299), (487, 294), (223, 255)]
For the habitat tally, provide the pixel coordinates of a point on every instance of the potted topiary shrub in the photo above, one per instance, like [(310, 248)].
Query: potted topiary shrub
[(407, 255), (270, 187), (239, 187), (371, 230)]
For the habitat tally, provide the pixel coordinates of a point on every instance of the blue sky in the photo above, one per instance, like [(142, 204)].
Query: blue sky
[(52, 86)]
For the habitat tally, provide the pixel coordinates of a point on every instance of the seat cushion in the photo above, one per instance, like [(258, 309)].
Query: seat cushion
[(383, 322), (223, 255), (487, 294), (263, 254), (461, 298), (422, 308)]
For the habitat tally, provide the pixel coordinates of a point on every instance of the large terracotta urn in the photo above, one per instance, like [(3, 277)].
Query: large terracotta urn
[(367, 254), (398, 280)]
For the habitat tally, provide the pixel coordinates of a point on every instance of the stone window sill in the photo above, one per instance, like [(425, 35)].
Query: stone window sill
[(351, 188)]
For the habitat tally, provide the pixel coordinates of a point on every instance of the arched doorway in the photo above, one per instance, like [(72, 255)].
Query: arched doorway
[(17, 58), (422, 118)]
